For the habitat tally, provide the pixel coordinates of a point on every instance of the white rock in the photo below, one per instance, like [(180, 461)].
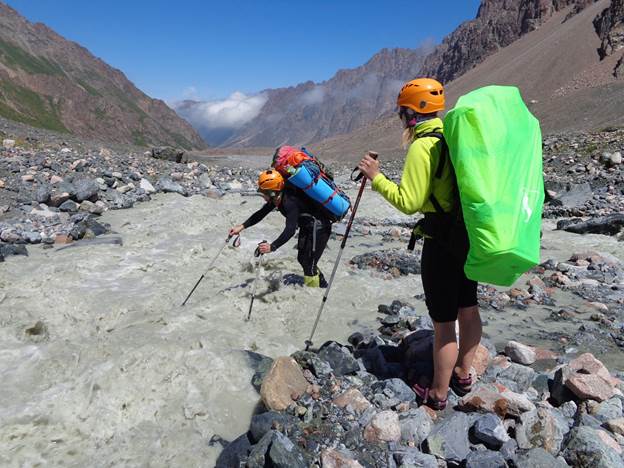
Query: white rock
[(616, 158), (147, 186), (8, 143), (66, 150), (520, 353)]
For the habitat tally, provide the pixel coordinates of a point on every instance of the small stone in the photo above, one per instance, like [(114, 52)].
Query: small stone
[(384, 427), (32, 237), (520, 353), (354, 399), (485, 459), (28, 178), (124, 188), (76, 165), (491, 399), (616, 158), (332, 458), (69, 206), (56, 179), (416, 426), (8, 143), (541, 428), (538, 458), (62, 239), (394, 388), (339, 358), (58, 198), (599, 306), (2, 184)]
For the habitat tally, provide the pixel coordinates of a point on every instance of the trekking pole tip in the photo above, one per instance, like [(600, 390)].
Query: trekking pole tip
[(308, 343)]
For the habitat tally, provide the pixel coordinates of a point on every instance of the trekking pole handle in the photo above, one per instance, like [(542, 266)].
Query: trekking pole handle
[(373, 155), (257, 251)]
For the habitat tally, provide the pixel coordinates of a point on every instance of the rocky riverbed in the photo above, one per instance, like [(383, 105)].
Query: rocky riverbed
[(99, 361)]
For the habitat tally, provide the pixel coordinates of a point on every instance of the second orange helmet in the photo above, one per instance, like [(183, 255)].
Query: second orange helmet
[(422, 95)]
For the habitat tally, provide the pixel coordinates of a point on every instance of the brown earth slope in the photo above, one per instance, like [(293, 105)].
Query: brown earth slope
[(557, 68), (49, 82)]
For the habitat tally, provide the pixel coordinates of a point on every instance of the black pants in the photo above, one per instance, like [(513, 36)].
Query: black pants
[(313, 237)]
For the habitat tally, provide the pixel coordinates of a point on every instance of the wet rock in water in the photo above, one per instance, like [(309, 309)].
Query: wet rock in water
[(489, 429), (384, 427), (339, 358), (542, 428), (352, 399), (397, 262), (485, 459), (412, 457), (449, 439), (415, 425), (538, 458), (234, 453), (167, 185), (610, 225), (394, 388), (283, 384), (331, 458), (586, 447), (520, 353)]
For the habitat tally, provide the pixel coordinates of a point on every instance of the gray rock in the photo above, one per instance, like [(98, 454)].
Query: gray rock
[(234, 453), (7, 250), (415, 425), (167, 153), (538, 458), (516, 377), (449, 439), (508, 450), (147, 186), (412, 457), (86, 189), (543, 428), (32, 237), (312, 361), (520, 353), (69, 206), (42, 195), (205, 181), (610, 409), (586, 448), (339, 358), (394, 388), (169, 186), (575, 195), (485, 459), (285, 454), (258, 453), (265, 422), (489, 429)]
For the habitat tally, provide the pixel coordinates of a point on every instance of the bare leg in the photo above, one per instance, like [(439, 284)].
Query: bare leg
[(444, 358), (469, 339)]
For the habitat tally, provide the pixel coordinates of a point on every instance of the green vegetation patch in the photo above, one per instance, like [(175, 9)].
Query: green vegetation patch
[(29, 107), (138, 138), (14, 56)]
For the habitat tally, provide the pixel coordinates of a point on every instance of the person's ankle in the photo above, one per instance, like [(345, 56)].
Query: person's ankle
[(461, 373), (438, 395)]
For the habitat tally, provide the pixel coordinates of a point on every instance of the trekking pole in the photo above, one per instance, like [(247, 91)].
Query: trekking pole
[(253, 289), (236, 243), (373, 155)]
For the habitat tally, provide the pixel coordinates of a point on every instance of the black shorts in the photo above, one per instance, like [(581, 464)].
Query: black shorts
[(446, 286)]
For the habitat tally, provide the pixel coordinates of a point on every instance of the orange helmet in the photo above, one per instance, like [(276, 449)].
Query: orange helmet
[(270, 182), (422, 95)]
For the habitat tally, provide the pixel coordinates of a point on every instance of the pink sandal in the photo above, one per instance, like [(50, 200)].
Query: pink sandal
[(423, 398)]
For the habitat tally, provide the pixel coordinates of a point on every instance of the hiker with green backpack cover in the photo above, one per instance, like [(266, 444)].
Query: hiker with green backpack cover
[(477, 180)]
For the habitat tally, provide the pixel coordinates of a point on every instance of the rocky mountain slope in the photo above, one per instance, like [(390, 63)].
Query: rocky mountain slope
[(49, 82), (355, 98), (557, 67)]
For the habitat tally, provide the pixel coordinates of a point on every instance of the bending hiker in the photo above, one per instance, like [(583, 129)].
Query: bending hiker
[(299, 211), (428, 186)]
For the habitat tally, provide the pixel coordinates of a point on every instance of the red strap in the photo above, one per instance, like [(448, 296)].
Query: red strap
[(330, 197)]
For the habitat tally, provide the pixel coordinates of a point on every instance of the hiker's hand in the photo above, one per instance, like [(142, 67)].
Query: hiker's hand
[(236, 230), (264, 247), (369, 167)]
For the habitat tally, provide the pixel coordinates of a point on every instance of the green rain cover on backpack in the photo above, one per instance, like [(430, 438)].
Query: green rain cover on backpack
[(495, 145)]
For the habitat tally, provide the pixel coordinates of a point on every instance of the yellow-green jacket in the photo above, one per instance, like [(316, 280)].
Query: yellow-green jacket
[(418, 180)]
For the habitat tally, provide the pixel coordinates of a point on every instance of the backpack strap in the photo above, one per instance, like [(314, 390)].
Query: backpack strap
[(441, 163)]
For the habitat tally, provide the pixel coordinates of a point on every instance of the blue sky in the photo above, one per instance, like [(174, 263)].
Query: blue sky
[(208, 50)]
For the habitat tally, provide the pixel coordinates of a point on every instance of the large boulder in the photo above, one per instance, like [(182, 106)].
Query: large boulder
[(283, 385), (166, 153)]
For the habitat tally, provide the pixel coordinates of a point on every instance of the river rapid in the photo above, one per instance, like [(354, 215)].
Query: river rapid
[(101, 366)]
